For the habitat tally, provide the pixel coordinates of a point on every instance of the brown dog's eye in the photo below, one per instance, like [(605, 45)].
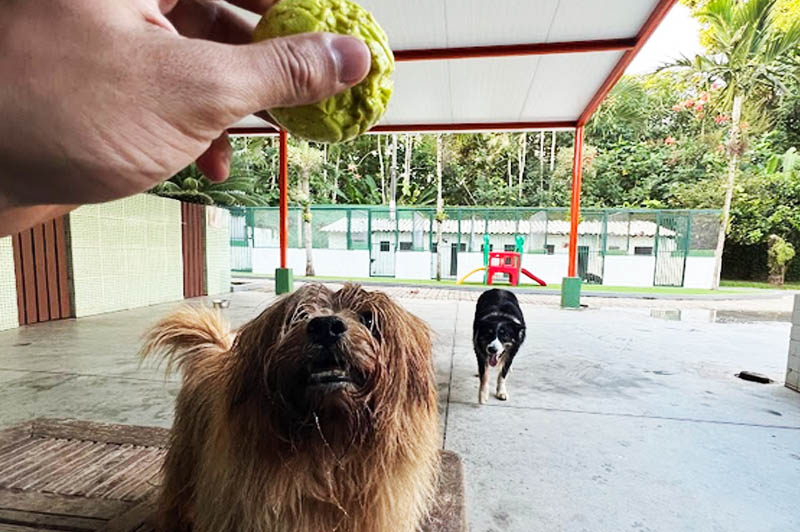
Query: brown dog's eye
[(366, 319)]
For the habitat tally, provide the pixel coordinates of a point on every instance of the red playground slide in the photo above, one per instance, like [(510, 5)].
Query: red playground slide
[(529, 274)]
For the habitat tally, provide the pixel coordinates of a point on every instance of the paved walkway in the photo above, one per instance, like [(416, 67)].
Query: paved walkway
[(618, 418)]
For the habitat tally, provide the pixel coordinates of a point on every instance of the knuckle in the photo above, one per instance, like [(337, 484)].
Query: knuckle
[(302, 72)]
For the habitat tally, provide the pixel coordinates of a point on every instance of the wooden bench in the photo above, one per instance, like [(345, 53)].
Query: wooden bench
[(79, 476)]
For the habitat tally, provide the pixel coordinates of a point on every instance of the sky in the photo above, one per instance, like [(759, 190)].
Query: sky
[(677, 35)]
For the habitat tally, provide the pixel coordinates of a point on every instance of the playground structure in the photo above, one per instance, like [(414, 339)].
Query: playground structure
[(504, 262)]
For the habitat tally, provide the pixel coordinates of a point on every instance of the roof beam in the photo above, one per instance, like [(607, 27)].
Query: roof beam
[(473, 126), (432, 128), (512, 50), (658, 14)]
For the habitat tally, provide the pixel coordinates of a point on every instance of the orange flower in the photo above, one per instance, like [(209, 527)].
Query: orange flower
[(670, 141)]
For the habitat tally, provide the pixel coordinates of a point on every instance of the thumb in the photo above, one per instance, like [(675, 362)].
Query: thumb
[(288, 71)]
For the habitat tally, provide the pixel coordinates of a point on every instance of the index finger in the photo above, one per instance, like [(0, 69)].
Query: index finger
[(256, 6)]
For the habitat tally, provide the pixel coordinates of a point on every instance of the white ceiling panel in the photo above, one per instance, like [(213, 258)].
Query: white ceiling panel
[(525, 89), (421, 94), (584, 20), (411, 24), (564, 84), (490, 89), (483, 22)]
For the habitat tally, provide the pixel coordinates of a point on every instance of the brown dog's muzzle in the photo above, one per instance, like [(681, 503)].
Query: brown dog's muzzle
[(328, 367)]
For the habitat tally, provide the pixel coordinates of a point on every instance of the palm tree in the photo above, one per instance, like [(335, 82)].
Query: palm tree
[(750, 55), (307, 160), (189, 185)]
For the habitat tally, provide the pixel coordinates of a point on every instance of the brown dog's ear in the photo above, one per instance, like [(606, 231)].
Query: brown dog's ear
[(249, 350)]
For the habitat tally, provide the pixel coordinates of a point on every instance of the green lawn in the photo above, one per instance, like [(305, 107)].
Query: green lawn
[(759, 284), (555, 288)]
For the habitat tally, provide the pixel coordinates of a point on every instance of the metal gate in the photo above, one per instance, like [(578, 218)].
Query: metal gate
[(671, 248), (591, 248), (241, 243)]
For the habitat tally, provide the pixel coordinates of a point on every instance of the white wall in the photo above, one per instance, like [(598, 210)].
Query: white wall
[(699, 272), (8, 286), (629, 270), (126, 254), (619, 270), (218, 251), (793, 365), (327, 262), (414, 264), (549, 268)]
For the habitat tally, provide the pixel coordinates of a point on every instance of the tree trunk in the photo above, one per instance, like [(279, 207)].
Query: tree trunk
[(407, 173), (306, 190), (393, 178), (383, 170), (324, 163), (275, 164), (541, 153), (553, 154), (336, 177), (510, 178), (439, 206), (523, 153), (733, 154)]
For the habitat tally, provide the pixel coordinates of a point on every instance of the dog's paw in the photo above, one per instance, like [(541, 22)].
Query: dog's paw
[(502, 395), (483, 397)]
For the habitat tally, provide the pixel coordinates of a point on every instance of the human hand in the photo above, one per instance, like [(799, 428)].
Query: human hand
[(102, 99)]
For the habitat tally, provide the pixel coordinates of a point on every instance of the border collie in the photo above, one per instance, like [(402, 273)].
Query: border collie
[(497, 334)]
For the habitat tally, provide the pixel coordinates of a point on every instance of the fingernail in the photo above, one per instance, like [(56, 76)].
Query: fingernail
[(352, 58)]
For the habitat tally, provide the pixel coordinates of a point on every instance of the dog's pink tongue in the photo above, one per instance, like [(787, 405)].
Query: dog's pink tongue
[(493, 360)]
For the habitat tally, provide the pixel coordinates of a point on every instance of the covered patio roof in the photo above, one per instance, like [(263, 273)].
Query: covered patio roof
[(507, 65), (474, 65)]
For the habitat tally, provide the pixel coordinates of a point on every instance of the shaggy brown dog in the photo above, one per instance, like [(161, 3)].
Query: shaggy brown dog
[(318, 415)]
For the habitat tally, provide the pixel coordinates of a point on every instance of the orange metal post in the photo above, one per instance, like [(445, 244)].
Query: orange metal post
[(283, 187), (575, 205)]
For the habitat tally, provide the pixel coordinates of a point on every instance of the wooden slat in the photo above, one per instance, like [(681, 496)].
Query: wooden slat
[(52, 270), (29, 276), (185, 248), (18, 273), (20, 528), (100, 432), (193, 249), (62, 265), (33, 501), (135, 520), (47, 521), (39, 257), (15, 433)]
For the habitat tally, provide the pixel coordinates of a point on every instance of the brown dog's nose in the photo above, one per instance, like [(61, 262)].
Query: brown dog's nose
[(325, 330)]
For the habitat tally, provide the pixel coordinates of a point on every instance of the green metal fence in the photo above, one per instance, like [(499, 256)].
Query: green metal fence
[(670, 236)]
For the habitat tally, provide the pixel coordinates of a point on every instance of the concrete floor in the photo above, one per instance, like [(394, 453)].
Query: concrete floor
[(617, 420)]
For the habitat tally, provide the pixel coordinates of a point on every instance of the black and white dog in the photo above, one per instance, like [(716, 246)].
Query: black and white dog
[(497, 334)]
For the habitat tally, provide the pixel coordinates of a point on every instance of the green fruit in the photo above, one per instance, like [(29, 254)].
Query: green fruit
[(346, 115)]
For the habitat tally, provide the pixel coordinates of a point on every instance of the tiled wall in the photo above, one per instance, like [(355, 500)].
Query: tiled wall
[(793, 367), (126, 254), (218, 251), (8, 286)]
